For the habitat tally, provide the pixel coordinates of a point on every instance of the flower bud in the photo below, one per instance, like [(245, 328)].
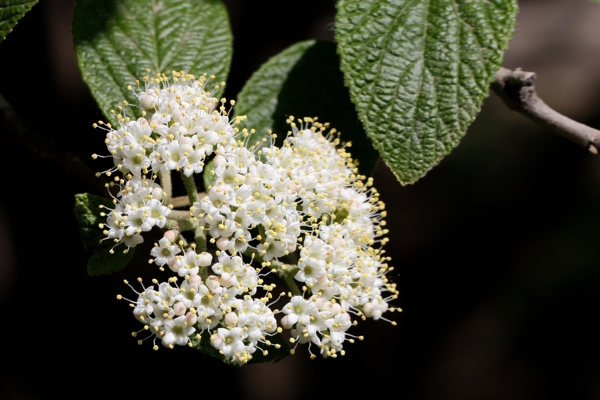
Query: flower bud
[(170, 235), (231, 319), (174, 265), (177, 116), (204, 259), (211, 104), (227, 280), (322, 304), (140, 313), (219, 161), (322, 280), (337, 242), (148, 101), (368, 310), (191, 318), (212, 283), (157, 193), (179, 308), (336, 308), (195, 281), (143, 122), (294, 186), (223, 243), (286, 323)]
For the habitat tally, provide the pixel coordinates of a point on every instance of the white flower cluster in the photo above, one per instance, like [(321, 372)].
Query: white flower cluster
[(139, 207), (239, 324), (299, 211), (182, 130)]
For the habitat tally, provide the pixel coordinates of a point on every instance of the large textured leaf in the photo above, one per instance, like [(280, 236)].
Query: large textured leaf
[(258, 99), (304, 81), (418, 71), (11, 11), (116, 40), (87, 213)]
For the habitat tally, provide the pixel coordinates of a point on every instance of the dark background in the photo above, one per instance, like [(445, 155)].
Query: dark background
[(496, 249)]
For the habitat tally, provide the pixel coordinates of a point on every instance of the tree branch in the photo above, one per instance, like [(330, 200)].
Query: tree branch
[(517, 90)]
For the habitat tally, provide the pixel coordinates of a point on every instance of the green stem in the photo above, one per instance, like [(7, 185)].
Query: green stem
[(184, 201), (190, 187), (167, 186), (179, 220), (179, 215), (288, 277), (203, 273), (200, 239)]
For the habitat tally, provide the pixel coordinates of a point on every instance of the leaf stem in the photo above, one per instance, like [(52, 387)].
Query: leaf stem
[(190, 187)]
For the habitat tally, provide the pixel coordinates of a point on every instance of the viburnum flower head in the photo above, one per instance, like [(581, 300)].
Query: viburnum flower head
[(298, 211)]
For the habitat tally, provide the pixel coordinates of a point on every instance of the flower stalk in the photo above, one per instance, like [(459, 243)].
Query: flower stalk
[(167, 186), (190, 187)]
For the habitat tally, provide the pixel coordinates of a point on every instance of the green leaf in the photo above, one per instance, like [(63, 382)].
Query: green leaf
[(274, 354), (203, 344), (117, 40), (102, 262), (87, 214), (258, 99), (304, 81), (11, 11), (418, 71)]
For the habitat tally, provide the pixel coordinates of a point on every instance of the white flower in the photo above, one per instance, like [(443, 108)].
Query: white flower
[(165, 252), (298, 310), (177, 331), (188, 264), (230, 343), (143, 308), (312, 261)]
